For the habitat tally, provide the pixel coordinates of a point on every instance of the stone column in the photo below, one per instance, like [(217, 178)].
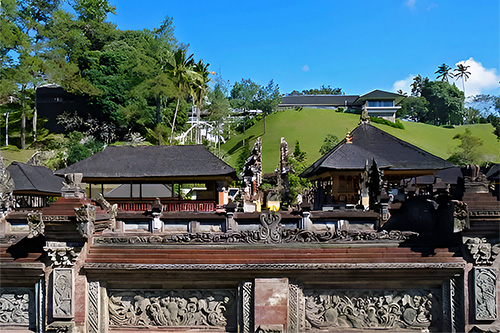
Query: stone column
[(271, 305)]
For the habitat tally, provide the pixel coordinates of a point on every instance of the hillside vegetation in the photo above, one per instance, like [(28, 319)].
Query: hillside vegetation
[(310, 127)]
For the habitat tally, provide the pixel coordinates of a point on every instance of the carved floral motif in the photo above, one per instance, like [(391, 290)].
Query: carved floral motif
[(371, 309), (171, 308), (253, 237), (16, 306), (482, 251), (62, 256)]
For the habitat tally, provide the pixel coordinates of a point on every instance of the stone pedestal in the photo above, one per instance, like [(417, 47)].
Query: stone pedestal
[(271, 304)]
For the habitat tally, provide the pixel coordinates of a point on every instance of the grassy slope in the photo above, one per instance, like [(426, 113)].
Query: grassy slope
[(13, 155), (310, 127)]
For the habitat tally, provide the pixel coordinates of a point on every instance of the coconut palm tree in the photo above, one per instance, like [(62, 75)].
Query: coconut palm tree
[(444, 72), (181, 68), (200, 91), (462, 72)]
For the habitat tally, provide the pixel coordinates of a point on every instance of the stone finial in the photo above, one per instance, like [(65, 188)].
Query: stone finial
[(72, 186)]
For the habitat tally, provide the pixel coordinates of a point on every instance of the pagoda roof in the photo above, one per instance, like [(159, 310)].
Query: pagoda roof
[(34, 179), (151, 162), (369, 143)]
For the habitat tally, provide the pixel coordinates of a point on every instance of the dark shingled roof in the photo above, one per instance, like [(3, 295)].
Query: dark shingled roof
[(31, 178), (368, 143), (151, 162)]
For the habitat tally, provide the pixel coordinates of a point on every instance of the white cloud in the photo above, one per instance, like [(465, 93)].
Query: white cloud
[(480, 78), (411, 3), (431, 6), (404, 84), (305, 68)]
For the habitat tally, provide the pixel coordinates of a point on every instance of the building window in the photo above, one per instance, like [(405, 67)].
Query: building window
[(378, 104)]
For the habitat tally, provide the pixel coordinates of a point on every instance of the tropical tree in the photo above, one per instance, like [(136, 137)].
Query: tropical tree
[(444, 72), (462, 72), (181, 68), (199, 91)]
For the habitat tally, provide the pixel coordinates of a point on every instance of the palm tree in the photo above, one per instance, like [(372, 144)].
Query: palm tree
[(462, 72), (199, 92), (444, 72), (181, 68)]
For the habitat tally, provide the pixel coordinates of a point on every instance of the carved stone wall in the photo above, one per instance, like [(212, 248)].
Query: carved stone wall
[(17, 308), (93, 307), (62, 299), (209, 308), (485, 293), (372, 309), (247, 302)]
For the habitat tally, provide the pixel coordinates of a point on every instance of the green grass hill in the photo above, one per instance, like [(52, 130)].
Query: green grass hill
[(310, 127)]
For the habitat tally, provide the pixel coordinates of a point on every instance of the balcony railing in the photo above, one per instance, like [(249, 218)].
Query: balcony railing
[(176, 206)]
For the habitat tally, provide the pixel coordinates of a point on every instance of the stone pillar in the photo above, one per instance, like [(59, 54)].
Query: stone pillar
[(271, 305)]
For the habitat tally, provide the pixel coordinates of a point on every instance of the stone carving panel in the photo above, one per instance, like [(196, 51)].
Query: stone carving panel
[(93, 307), (62, 300), (210, 308), (261, 236), (482, 251), (35, 224), (485, 293), (17, 307), (365, 309), (85, 218), (247, 303)]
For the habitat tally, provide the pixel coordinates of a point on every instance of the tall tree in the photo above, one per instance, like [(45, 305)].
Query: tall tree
[(446, 103), (219, 109), (444, 72), (417, 84), (462, 72), (199, 92), (181, 68)]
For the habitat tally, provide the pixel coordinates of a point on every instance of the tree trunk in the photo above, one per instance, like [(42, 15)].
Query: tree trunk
[(35, 116), (158, 109), (173, 122), (23, 129)]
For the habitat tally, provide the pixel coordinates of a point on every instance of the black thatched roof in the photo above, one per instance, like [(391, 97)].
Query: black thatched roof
[(157, 162), (34, 179), (370, 143)]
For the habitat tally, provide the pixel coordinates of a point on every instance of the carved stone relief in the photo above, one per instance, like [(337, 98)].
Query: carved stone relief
[(85, 218), (254, 236), (247, 304), (365, 309), (17, 307), (35, 224), (296, 306), (62, 256), (62, 299), (460, 216), (482, 251), (485, 293), (211, 308), (93, 307)]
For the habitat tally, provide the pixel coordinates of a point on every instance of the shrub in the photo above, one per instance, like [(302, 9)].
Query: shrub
[(397, 124)]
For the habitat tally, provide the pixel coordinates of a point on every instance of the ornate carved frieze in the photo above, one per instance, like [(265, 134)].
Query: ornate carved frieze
[(247, 305), (298, 266), (62, 256), (93, 307), (35, 225), (62, 299), (85, 218), (296, 306), (368, 309), (261, 236), (17, 307), (482, 251), (485, 293), (210, 308)]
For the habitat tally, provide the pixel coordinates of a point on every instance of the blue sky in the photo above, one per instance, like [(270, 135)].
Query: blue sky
[(356, 45)]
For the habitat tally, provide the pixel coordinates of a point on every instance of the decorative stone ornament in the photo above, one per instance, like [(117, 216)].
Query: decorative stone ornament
[(35, 225), (85, 218), (62, 297), (482, 251), (62, 256), (72, 186), (270, 230), (485, 293)]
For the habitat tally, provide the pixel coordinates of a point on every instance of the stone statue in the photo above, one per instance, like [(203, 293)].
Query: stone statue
[(72, 186), (252, 170)]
